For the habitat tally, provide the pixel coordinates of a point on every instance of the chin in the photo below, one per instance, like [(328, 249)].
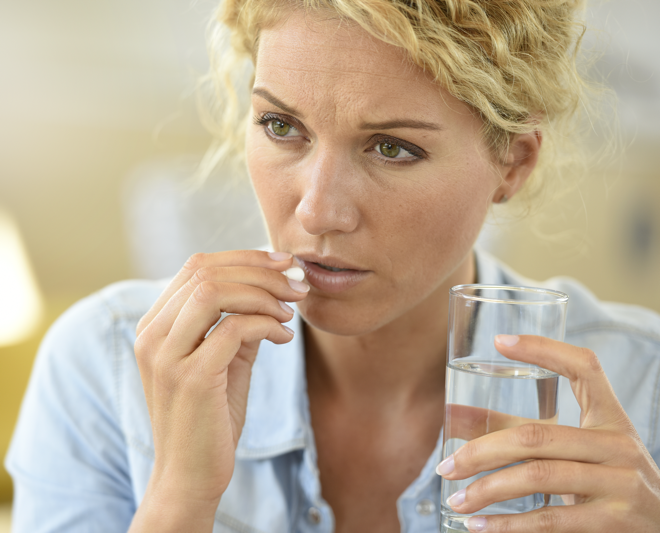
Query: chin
[(343, 318)]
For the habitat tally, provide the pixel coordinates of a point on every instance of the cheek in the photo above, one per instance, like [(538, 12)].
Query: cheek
[(436, 224), (271, 175)]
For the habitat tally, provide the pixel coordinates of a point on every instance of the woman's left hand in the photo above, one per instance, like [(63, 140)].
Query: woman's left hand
[(602, 467)]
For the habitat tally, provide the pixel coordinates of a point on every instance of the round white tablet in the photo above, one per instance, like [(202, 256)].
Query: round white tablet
[(295, 273)]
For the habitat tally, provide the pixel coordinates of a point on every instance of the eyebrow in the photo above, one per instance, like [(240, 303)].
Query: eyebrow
[(275, 101), (387, 125), (402, 123)]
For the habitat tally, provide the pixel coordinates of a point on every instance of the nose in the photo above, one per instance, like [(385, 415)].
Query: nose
[(330, 199)]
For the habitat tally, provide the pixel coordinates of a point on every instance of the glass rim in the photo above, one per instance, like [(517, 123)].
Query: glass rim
[(558, 296)]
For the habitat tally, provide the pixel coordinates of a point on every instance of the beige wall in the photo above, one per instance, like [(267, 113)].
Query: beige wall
[(605, 233), (89, 90)]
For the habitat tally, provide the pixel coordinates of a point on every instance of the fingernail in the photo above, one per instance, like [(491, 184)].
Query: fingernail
[(299, 286), (446, 466), (280, 256), (295, 273), (284, 306), (507, 340), (288, 330), (457, 498), (476, 523)]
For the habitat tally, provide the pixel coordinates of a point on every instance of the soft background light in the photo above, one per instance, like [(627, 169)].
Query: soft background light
[(21, 307), (98, 125)]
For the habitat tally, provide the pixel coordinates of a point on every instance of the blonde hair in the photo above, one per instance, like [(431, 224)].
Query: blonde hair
[(513, 61)]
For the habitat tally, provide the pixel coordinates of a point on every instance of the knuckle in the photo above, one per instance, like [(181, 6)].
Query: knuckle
[(532, 435), (507, 526), (538, 472), (547, 521), (478, 490), (205, 292), (590, 360), (141, 347), (203, 274), (141, 325), (230, 326), (144, 346), (195, 262), (271, 280), (264, 309), (634, 480), (628, 445)]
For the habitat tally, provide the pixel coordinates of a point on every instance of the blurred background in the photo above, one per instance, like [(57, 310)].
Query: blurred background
[(99, 135)]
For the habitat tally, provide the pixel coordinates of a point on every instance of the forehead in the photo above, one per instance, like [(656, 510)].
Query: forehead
[(317, 59)]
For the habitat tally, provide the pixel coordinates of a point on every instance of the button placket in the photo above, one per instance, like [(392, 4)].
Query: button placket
[(425, 507)]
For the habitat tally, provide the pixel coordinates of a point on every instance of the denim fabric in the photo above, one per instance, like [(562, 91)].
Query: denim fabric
[(82, 452)]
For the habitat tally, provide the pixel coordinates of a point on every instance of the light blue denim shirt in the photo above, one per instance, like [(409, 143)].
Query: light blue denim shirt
[(83, 451)]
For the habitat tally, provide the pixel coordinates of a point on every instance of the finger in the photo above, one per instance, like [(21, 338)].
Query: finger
[(467, 423), (583, 518), (542, 476), (205, 306), (225, 342), (270, 281), (537, 441), (278, 261), (590, 385)]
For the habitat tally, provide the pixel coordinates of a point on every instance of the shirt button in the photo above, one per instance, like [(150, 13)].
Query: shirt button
[(314, 515), (425, 507)]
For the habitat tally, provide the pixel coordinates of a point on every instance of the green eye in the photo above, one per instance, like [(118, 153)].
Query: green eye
[(280, 128), (389, 149)]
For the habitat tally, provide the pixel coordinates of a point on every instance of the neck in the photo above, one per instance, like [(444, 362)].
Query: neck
[(398, 364)]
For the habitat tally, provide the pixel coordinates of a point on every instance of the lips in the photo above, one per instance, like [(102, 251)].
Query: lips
[(330, 274)]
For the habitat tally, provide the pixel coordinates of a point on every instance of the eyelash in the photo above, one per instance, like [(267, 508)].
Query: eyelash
[(419, 154), (264, 119)]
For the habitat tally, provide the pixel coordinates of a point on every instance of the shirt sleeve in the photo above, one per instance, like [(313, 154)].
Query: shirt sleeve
[(68, 455)]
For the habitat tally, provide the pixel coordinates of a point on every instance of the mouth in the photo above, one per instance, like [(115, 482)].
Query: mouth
[(331, 275), (332, 269)]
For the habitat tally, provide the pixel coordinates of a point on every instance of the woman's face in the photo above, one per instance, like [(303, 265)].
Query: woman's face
[(361, 162)]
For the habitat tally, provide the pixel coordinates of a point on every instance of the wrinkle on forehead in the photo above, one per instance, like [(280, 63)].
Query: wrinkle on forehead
[(335, 66), (299, 34)]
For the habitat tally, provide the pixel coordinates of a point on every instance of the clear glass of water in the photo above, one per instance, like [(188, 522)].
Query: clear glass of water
[(485, 391)]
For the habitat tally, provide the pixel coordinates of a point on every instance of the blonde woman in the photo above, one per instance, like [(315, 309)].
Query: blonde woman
[(379, 134)]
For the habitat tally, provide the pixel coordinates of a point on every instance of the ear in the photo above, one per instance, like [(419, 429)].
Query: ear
[(521, 160)]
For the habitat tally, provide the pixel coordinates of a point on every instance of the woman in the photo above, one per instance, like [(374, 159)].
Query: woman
[(381, 133)]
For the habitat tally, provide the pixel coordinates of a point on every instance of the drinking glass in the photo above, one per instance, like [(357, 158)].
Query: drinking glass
[(485, 391)]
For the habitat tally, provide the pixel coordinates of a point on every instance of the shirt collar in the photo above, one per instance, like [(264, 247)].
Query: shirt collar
[(489, 270)]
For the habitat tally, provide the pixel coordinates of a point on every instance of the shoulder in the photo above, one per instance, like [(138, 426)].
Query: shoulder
[(92, 319), (71, 440), (586, 312), (91, 344), (124, 300), (84, 357)]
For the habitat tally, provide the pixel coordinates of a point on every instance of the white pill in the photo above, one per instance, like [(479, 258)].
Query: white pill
[(295, 273)]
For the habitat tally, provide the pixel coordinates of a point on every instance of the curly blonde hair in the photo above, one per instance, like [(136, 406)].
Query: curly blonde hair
[(513, 61)]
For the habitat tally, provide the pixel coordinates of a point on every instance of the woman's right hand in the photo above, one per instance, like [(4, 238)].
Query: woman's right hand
[(196, 388)]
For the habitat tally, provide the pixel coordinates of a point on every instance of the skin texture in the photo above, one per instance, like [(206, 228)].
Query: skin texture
[(375, 352)]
